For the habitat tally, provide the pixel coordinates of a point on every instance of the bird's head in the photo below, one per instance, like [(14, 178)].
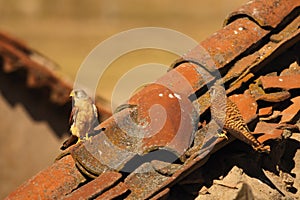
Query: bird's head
[(217, 91), (78, 94)]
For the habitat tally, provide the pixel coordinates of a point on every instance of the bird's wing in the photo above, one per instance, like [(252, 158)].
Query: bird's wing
[(95, 111), (73, 115), (73, 138)]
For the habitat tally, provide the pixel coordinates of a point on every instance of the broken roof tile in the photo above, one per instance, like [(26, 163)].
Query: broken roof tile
[(275, 96), (139, 181), (265, 111), (246, 104), (293, 69), (95, 187), (265, 13), (289, 113), (283, 82), (225, 45), (269, 131), (52, 183), (41, 72), (162, 195), (114, 193)]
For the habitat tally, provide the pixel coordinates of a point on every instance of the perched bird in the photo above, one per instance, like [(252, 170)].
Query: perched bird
[(227, 115), (83, 118)]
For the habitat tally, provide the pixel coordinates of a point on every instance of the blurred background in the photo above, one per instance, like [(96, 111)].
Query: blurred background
[(66, 31)]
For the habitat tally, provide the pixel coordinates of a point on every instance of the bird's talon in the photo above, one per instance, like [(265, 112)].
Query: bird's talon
[(223, 135), (79, 140), (87, 137), (262, 149)]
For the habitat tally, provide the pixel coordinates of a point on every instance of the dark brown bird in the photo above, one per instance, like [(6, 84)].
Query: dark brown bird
[(227, 116)]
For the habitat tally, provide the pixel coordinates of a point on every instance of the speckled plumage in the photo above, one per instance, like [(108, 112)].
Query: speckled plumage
[(227, 115)]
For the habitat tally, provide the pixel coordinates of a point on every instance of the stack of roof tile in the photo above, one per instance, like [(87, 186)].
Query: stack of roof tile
[(256, 53)]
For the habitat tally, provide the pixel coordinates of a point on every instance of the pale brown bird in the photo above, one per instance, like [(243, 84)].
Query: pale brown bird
[(83, 118)]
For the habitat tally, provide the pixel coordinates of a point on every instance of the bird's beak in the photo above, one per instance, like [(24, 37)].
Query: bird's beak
[(72, 94)]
